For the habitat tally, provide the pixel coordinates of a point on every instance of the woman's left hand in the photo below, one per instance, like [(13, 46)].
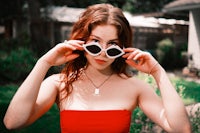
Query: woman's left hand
[(141, 60)]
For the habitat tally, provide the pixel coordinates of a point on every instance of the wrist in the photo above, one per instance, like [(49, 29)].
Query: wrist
[(43, 63), (156, 72), (153, 68)]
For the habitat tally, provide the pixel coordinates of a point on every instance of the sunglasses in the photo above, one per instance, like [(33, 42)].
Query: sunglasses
[(94, 49)]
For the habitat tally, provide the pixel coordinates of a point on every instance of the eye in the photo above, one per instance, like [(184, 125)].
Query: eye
[(112, 43), (95, 40)]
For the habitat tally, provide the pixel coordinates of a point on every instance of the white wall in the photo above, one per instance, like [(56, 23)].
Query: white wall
[(194, 38)]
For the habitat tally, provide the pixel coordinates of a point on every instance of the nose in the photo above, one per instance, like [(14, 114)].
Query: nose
[(103, 52), (104, 46)]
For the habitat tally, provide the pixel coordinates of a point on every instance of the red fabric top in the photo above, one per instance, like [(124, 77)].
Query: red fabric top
[(108, 121)]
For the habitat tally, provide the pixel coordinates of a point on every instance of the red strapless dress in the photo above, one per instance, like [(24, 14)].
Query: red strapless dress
[(108, 121)]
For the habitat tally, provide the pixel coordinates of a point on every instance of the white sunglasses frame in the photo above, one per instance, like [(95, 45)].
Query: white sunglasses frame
[(105, 50)]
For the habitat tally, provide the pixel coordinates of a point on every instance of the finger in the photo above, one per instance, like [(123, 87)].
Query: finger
[(65, 47), (74, 42), (137, 55), (77, 44), (71, 57), (132, 63), (138, 61), (68, 53), (129, 49), (132, 54)]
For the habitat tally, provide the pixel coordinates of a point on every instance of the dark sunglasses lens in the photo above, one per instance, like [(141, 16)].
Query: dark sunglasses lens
[(113, 52), (93, 49)]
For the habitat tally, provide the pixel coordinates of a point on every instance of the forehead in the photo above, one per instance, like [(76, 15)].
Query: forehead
[(106, 32)]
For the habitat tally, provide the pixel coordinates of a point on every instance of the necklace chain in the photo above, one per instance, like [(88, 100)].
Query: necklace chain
[(97, 87)]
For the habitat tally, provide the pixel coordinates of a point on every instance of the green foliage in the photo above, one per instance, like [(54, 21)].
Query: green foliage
[(7, 92), (48, 123), (8, 45), (16, 64), (143, 6), (140, 122), (195, 120), (171, 55), (182, 55), (165, 45), (134, 6), (188, 89), (165, 52)]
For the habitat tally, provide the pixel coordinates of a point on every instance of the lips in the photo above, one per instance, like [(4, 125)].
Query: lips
[(99, 61)]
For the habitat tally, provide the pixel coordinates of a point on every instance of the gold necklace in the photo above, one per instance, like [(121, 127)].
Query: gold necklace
[(96, 90)]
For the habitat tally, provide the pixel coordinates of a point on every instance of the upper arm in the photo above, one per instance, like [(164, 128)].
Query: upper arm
[(151, 104), (46, 97)]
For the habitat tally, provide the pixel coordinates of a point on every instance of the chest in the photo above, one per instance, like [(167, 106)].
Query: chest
[(112, 96)]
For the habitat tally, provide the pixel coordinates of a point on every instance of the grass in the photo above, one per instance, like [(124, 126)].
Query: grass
[(188, 90)]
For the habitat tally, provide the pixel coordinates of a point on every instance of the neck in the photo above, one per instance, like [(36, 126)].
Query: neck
[(92, 72), (97, 78)]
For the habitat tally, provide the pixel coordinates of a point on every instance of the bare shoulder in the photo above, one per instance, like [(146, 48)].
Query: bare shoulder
[(144, 89), (133, 80), (136, 84), (54, 80), (56, 77), (132, 89)]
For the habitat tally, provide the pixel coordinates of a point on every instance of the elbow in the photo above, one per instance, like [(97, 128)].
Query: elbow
[(11, 124), (184, 129), (8, 124), (187, 128), (16, 120)]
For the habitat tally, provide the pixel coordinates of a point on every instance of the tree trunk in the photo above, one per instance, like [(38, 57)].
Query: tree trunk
[(37, 29)]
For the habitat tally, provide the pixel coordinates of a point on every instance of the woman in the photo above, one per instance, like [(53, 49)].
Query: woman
[(95, 92)]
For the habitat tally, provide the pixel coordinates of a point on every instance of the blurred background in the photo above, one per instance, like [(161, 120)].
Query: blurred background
[(168, 29)]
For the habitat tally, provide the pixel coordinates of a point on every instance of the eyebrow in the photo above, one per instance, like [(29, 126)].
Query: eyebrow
[(101, 39)]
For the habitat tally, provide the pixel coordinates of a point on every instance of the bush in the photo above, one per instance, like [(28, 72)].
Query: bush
[(13, 43), (16, 64), (140, 122), (189, 91), (165, 53), (195, 121), (51, 118)]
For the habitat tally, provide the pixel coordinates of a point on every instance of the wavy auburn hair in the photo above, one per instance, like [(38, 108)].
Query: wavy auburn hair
[(99, 14)]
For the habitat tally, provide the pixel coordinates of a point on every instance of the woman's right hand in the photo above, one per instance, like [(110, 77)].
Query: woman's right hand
[(62, 53)]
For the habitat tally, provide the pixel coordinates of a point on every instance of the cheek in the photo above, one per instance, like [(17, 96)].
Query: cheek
[(111, 61), (89, 57)]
